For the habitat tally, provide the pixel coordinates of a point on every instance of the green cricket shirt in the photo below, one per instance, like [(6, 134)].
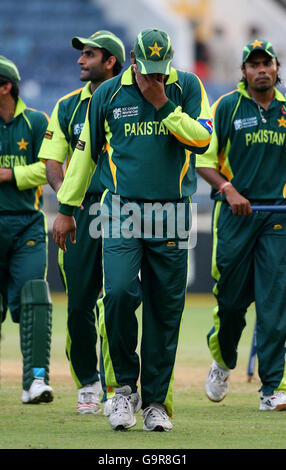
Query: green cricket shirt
[(149, 154), (64, 129), (248, 146), (20, 141)]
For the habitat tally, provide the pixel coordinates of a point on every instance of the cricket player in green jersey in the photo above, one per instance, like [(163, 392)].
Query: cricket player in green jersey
[(150, 121), (23, 233), (246, 165), (102, 56)]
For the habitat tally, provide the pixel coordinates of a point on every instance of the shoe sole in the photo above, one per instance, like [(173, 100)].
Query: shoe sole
[(45, 397), (216, 401), (121, 427), (277, 408), (88, 411), (156, 429)]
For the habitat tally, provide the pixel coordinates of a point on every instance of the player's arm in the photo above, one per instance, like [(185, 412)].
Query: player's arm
[(30, 176), (75, 184), (55, 147), (239, 204), (192, 126), (25, 177), (73, 189), (34, 174), (55, 174), (207, 167)]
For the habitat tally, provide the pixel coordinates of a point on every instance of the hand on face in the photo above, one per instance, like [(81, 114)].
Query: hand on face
[(152, 87)]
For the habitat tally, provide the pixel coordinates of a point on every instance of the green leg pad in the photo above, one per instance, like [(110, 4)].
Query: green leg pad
[(35, 331)]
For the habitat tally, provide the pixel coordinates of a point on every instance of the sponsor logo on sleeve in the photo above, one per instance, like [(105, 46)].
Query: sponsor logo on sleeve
[(49, 135), (80, 145), (207, 124)]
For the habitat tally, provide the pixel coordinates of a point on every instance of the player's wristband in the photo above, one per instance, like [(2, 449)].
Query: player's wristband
[(66, 209), (167, 108), (13, 180), (223, 185)]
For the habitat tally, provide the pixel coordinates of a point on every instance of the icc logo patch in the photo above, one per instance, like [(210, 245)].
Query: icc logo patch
[(117, 113)]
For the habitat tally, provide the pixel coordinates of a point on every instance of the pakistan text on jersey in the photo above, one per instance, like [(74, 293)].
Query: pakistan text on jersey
[(145, 128), (265, 136), (9, 161)]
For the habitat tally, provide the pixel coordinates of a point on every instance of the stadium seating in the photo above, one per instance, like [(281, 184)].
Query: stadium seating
[(36, 35)]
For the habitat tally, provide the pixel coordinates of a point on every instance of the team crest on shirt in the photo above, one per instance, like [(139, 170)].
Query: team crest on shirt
[(282, 122), (283, 109), (22, 144)]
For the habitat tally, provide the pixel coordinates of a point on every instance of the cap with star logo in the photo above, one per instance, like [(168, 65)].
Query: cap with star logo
[(102, 39), (153, 52), (9, 70), (257, 45)]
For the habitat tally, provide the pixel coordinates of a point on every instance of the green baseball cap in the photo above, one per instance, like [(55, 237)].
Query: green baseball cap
[(102, 39), (9, 70), (257, 45), (153, 52)]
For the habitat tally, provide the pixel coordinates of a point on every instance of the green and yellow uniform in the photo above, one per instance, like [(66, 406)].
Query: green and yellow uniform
[(23, 239), (148, 158), (23, 226), (248, 148), (80, 265)]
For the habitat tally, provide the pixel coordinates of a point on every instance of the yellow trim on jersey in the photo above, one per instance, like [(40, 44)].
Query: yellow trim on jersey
[(43, 112), (38, 194), (185, 169), (218, 101), (112, 165), (192, 142), (223, 162), (68, 95), (109, 151)]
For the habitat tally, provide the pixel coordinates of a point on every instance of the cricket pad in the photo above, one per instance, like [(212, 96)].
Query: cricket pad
[(35, 331)]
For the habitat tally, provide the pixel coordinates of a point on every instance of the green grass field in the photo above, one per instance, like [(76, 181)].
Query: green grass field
[(235, 423)]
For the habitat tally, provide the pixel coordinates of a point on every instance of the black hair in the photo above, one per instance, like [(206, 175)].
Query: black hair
[(15, 88), (117, 66), (244, 80)]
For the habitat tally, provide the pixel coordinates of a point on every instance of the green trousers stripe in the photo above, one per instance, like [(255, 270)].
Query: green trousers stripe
[(249, 260)]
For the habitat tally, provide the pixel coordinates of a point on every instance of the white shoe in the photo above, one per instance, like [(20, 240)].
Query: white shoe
[(156, 418), (217, 382), (124, 405), (107, 407), (89, 399), (38, 392), (275, 402)]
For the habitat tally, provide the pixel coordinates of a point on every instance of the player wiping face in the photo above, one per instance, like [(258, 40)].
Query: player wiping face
[(151, 85)]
